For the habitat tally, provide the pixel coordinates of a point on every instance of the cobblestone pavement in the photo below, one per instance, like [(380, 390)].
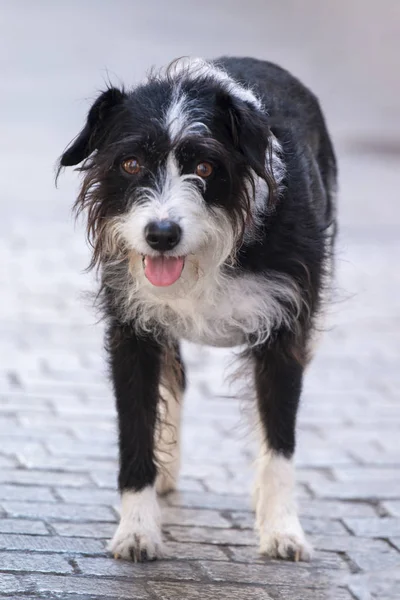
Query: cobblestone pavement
[(58, 499)]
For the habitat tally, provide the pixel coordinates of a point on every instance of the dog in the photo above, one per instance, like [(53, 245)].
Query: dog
[(209, 192)]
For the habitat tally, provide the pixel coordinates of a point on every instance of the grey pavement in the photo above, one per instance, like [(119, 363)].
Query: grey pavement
[(58, 498)]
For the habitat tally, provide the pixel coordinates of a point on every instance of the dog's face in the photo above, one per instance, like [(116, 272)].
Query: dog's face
[(174, 174)]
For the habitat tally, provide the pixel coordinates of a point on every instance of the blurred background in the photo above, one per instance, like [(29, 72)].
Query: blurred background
[(55, 57)]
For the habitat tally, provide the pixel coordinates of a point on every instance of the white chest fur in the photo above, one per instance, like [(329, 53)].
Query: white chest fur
[(226, 311)]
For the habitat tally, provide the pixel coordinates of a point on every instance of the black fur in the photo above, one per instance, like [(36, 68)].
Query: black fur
[(136, 369)]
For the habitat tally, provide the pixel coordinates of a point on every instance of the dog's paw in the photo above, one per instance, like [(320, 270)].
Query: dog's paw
[(285, 545), (138, 536), (138, 545)]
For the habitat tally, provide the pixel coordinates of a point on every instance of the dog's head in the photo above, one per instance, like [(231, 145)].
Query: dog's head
[(175, 173)]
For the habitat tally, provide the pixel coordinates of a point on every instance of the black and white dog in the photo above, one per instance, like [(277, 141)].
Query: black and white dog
[(209, 192)]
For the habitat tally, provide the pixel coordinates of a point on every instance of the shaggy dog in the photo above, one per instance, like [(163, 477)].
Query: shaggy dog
[(209, 193)]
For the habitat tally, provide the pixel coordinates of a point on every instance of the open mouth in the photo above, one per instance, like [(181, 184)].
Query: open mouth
[(163, 270)]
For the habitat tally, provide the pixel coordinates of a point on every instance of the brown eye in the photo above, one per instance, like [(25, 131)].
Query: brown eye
[(131, 166), (204, 169)]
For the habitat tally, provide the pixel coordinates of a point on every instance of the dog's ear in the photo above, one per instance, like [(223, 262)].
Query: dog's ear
[(248, 128), (89, 138)]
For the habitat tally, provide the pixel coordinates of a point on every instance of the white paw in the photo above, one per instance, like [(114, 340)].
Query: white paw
[(136, 544), (138, 536), (286, 544)]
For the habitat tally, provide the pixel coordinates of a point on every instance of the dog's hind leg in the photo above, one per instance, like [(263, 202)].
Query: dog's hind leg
[(169, 422)]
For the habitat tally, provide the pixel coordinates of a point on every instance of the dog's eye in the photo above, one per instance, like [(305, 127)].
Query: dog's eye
[(204, 169), (131, 166)]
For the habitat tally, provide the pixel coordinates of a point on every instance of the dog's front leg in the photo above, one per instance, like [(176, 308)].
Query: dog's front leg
[(135, 365), (278, 380)]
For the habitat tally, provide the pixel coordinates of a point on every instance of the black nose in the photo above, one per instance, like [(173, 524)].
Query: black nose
[(163, 235)]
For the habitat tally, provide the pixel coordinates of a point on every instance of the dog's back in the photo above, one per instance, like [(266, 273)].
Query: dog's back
[(293, 110)]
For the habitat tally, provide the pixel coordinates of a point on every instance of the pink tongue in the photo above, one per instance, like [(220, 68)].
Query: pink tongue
[(163, 270)]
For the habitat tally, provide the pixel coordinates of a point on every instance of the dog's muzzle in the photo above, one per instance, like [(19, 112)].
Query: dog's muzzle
[(162, 236)]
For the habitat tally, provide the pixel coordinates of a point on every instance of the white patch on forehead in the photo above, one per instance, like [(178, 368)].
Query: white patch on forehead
[(176, 118), (194, 68), (184, 117)]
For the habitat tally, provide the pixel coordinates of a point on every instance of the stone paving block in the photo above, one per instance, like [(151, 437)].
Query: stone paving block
[(191, 485), (160, 569), (17, 447), (42, 477), (356, 474), (218, 486), (105, 478), (88, 496), (371, 456), (68, 512), (322, 457), (193, 517), (7, 422), (10, 583), (7, 462), (66, 585), (69, 424), (295, 593), (377, 528), (39, 385), (42, 543), (392, 507), (23, 526), (70, 466), (33, 493), (39, 563), (382, 587), (347, 543), (306, 476), (370, 562), (274, 573), (205, 471), (63, 361), (27, 435), (178, 591), (108, 451), (192, 551), (332, 509), (395, 541), (208, 500), (12, 406), (90, 530), (323, 526), (40, 598), (362, 490), (209, 535)]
